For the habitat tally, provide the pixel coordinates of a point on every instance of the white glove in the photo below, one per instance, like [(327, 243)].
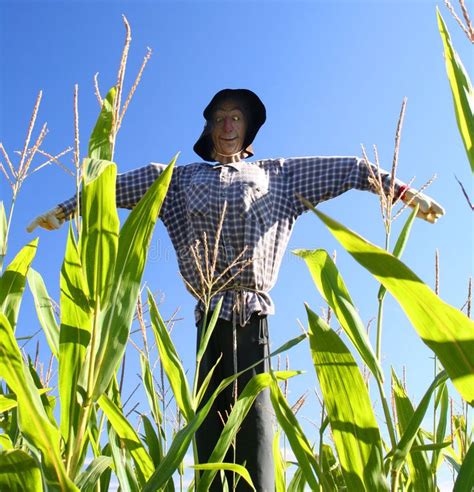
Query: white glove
[(428, 210), (50, 220)]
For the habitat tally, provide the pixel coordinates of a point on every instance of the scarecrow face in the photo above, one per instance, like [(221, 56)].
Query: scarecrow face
[(228, 130)]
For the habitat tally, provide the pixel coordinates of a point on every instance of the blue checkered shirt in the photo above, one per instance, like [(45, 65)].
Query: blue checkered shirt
[(261, 209)]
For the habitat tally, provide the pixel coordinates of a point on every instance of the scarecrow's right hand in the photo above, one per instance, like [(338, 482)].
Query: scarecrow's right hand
[(50, 220)]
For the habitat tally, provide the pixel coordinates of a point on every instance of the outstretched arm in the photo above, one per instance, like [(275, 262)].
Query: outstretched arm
[(130, 187), (321, 178)]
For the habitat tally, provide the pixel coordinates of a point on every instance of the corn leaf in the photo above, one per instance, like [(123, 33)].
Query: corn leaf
[(298, 482), (401, 243), (333, 289), (297, 439), (5, 442), (331, 468), (280, 482), (239, 411), (419, 468), (228, 467), (171, 362), (3, 234), (87, 480), (100, 228), (461, 89), (12, 282), (203, 343), (32, 418), (135, 237), (153, 441), (7, 402), (100, 142), (442, 405), (205, 383), (151, 394), (180, 444), (403, 447), (465, 480), (74, 336), (182, 440), (44, 310), (354, 428), (19, 472), (143, 463), (121, 459), (447, 331)]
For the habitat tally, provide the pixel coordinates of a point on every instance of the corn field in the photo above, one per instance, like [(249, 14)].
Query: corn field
[(69, 431)]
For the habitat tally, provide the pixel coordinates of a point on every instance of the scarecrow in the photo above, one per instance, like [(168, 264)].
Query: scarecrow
[(245, 211)]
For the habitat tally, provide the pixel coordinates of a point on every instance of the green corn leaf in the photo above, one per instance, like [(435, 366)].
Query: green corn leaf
[(287, 345), (461, 89), (12, 282), (5, 442), (87, 480), (150, 392), (44, 310), (171, 362), (331, 468), (134, 240), (153, 441), (333, 289), (400, 244), (442, 405), (74, 336), (447, 331), (209, 329), (121, 459), (143, 463), (3, 234), (431, 447), (180, 445), (182, 441), (183, 438), (48, 401), (226, 467), (100, 142), (419, 468), (239, 411), (465, 480), (104, 480), (297, 439), (403, 447), (280, 483), (32, 418), (298, 482), (205, 383), (100, 228), (354, 428), (19, 472), (7, 402)]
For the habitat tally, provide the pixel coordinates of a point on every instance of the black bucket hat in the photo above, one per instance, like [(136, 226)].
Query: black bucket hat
[(254, 111)]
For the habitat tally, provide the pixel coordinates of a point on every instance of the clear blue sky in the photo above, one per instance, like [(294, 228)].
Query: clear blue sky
[(332, 76)]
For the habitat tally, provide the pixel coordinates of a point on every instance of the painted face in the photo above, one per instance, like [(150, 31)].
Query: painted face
[(228, 131)]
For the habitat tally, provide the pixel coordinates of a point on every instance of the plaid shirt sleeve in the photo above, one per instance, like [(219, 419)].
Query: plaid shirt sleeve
[(130, 187), (320, 178)]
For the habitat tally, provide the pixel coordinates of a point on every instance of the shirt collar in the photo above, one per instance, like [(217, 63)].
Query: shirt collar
[(234, 165)]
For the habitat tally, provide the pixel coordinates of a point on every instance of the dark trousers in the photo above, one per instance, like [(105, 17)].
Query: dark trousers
[(254, 439)]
